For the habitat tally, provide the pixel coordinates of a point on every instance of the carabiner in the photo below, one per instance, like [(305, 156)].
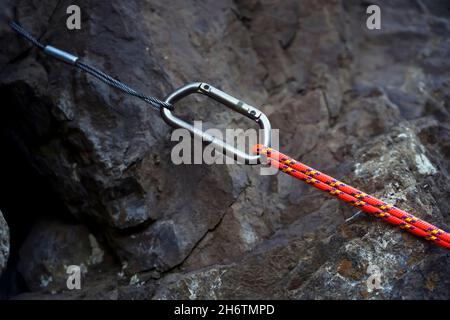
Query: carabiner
[(227, 100)]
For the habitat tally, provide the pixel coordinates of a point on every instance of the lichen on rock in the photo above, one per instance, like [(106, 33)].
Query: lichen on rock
[(4, 243)]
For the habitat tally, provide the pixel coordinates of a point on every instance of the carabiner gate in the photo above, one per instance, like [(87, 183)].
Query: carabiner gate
[(227, 100)]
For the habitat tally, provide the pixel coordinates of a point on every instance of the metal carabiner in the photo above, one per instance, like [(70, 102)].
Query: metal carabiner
[(227, 100)]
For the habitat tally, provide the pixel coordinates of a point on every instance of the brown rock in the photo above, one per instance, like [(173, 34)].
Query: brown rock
[(369, 107), (50, 248)]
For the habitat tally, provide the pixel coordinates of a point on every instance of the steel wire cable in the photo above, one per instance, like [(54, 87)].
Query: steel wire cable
[(155, 103)]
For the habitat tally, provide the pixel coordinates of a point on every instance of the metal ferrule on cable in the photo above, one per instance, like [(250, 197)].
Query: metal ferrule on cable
[(61, 55), (75, 61)]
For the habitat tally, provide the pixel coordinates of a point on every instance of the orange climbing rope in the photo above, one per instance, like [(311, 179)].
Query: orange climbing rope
[(355, 197)]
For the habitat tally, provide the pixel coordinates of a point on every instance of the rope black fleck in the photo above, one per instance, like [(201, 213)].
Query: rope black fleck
[(154, 102)]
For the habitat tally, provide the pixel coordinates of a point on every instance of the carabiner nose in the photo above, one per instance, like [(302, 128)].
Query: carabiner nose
[(231, 102)]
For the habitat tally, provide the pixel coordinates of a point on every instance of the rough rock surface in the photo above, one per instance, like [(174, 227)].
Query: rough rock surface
[(370, 107), (51, 248), (4, 243)]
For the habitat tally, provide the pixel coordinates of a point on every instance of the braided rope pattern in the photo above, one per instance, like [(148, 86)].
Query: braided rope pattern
[(355, 197)]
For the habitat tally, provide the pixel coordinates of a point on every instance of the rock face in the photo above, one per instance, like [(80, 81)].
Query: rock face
[(370, 107), (4, 243), (49, 251)]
